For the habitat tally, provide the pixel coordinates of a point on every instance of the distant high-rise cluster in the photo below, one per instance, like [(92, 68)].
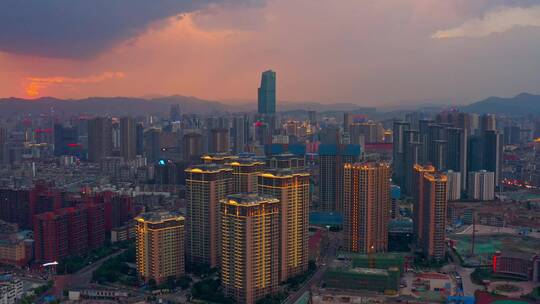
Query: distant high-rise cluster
[(450, 142)]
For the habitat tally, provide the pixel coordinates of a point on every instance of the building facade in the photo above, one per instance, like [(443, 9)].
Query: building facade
[(267, 93), (418, 201), (331, 161), (454, 185), (160, 246), (245, 174), (128, 138), (100, 138), (291, 188), (250, 240), (434, 215), (206, 185), (366, 211), (481, 185)]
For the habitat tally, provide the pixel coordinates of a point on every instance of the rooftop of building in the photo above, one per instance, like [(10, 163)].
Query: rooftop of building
[(219, 156), (158, 217), (426, 168), (207, 168), (367, 165), (249, 199), (436, 177), (284, 172), (245, 162)]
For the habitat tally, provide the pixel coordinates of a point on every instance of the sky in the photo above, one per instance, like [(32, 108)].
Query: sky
[(367, 52)]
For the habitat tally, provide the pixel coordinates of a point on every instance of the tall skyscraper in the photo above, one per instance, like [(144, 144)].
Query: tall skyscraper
[(250, 238), (398, 155), (412, 151), (100, 140), (3, 135), (370, 131), (174, 114), (152, 144), (312, 117), (436, 146), (267, 93), (330, 135), (245, 174), (423, 127), (419, 200), (64, 138), (493, 153), (366, 210), (139, 132), (193, 146), (347, 121), (160, 246), (456, 157), (239, 135), (291, 188), (454, 185), (331, 161), (218, 140), (488, 122), (475, 153), (206, 185), (434, 215), (128, 138)]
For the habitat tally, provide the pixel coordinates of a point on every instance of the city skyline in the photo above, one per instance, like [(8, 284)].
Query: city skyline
[(326, 154), (182, 48)]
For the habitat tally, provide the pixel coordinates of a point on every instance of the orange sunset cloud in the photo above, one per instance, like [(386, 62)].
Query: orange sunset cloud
[(37, 84)]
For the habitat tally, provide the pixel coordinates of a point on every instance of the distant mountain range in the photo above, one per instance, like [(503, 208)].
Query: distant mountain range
[(150, 105), (521, 104)]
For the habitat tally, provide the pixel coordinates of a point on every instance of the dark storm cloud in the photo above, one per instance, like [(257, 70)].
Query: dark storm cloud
[(85, 28)]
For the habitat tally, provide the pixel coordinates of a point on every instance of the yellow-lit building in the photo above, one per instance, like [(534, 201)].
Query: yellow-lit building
[(366, 206), (206, 185), (249, 246), (160, 246), (434, 215), (417, 191), (245, 174), (291, 188), (218, 158)]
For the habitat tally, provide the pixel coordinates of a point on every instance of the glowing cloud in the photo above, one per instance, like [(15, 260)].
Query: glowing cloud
[(36, 84), (499, 20)]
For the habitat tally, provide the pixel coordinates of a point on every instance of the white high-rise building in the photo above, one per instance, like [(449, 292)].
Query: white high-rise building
[(481, 185), (453, 185)]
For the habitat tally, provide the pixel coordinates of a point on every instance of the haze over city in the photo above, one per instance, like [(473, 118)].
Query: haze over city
[(370, 53)]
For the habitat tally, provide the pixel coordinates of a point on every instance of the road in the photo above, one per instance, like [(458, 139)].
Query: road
[(83, 277), (315, 278), (469, 287), (329, 252)]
